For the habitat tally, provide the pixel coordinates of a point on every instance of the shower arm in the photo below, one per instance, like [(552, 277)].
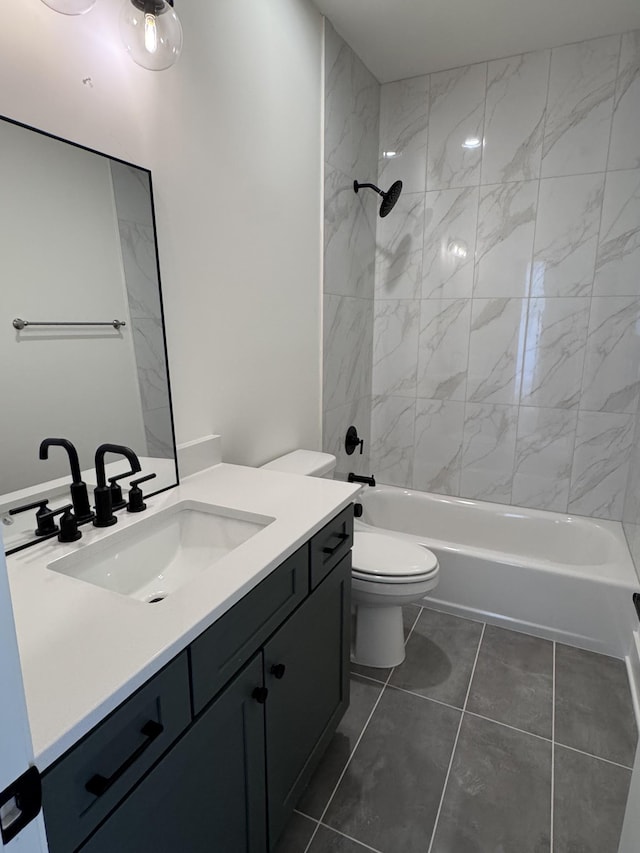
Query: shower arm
[(357, 185)]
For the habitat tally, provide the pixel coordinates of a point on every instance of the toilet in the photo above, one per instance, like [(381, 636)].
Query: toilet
[(387, 573)]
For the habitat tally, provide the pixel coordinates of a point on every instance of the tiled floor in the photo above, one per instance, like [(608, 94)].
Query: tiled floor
[(482, 741)]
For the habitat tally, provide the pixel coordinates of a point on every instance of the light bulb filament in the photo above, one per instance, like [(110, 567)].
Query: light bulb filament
[(150, 33)]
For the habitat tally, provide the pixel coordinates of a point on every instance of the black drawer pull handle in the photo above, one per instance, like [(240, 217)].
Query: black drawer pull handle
[(260, 694), (99, 785), (331, 551), (278, 670)]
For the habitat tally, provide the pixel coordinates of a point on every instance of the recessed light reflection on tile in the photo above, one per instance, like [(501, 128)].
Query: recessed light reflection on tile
[(390, 155), (472, 142), (458, 249)]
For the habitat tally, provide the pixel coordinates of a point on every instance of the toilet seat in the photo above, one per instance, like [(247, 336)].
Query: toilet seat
[(378, 558)]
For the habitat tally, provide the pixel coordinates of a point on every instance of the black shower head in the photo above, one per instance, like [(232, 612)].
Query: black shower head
[(389, 198)]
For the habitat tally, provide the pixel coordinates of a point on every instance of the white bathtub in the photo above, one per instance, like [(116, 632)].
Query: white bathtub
[(563, 577)]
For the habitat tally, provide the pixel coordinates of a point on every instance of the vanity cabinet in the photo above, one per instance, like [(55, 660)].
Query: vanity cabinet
[(208, 793), (260, 694), (306, 666)]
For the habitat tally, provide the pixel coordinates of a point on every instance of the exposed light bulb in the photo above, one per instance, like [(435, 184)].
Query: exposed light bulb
[(70, 7), (472, 142), (151, 32)]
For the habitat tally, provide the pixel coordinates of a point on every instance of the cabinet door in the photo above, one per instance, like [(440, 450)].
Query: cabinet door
[(207, 794), (307, 676)]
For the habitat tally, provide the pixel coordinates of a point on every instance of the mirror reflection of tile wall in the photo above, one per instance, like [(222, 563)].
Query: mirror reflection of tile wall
[(137, 240)]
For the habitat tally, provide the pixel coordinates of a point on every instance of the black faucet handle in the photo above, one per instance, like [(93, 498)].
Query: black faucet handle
[(117, 501), (68, 525), (136, 498), (44, 516), (42, 505), (137, 482), (117, 477)]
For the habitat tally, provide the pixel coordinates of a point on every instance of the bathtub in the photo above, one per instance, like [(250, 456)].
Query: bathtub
[(562, 577)]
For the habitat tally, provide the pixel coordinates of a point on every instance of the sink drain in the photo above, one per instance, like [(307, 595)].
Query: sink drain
[(156, 597)]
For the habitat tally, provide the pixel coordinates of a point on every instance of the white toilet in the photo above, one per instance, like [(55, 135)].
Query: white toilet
[(388, 572)]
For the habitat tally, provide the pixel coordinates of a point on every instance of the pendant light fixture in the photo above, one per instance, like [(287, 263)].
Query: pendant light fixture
[(70, 7), (151, 32)]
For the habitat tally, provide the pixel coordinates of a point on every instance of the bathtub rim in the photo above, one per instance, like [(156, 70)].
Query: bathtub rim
[(622, 572)]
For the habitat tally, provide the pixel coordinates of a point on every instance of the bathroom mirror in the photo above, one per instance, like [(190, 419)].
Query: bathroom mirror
[(82, 341)]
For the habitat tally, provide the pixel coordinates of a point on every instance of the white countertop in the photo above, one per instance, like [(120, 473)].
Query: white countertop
[(84, 649)]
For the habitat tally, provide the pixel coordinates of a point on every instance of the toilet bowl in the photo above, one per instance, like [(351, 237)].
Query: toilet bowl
[(387, 573)]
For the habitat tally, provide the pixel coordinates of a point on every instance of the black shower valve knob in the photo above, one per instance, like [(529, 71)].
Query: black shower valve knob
[(353, 440)]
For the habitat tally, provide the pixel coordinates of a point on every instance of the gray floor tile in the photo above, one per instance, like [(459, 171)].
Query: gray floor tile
[(389, 796), (363, 697), (513, 680), (374, 672), (328, 841), (440, 656), (498, 796), (593, 705), (589, 803), (296, 835)]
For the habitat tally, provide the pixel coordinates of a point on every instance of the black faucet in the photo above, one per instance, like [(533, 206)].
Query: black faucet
[(102, 492), (78, 489), (357, 478)]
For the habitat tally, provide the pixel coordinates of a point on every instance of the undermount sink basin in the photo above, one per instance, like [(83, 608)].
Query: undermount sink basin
[(151, 559)]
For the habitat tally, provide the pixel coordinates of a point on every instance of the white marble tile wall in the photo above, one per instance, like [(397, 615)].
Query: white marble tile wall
[(631, 509), (352, 107), (506, 344)]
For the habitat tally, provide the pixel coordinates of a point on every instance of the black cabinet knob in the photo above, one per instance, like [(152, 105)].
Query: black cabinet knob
[(260, 694), (278, 670)]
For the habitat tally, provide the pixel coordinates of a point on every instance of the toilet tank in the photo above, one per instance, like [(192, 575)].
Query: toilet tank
[(310, 463)]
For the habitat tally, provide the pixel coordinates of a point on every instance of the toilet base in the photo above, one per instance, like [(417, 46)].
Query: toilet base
[(378, 636)]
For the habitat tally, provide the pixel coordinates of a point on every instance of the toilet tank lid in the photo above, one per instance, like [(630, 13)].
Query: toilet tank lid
[(311, 463)]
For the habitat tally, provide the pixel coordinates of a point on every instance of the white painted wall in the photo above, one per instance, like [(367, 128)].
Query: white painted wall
[(60, 260), (232, 135)]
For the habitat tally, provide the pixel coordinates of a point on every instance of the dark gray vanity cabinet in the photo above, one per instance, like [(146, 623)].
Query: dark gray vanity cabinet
[(241, 719), (307, 676), (207, 794)]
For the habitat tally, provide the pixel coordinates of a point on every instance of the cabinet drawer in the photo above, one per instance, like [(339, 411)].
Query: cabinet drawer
[(206, 795), (89, 781), (330, 545), (232, 640)]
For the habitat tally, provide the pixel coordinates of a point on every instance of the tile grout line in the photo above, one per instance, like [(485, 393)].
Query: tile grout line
[(474, 714), (455, 743), (507, 726), (350, 837), (553, 744), (346, 767), (415, 622), (595, 757)]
